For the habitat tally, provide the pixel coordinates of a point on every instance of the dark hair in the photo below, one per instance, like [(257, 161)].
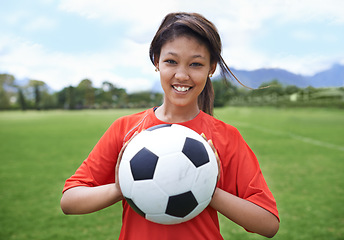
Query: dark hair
[(195, 25)]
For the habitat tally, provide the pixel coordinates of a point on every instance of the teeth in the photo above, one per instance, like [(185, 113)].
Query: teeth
[(181, 89)]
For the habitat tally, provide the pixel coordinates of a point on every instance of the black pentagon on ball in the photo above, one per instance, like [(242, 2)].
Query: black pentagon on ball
[(181, 205), (143, 165), (135, 207), (195, 151)]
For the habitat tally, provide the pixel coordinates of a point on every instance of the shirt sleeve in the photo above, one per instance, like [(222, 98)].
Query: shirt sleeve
[(99, 167), (243, 176)]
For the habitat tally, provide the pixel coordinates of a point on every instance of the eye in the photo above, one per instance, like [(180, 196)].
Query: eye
[(196, 64), (170, 61)]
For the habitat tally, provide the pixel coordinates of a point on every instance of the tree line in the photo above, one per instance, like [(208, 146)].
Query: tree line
[(274, 93), (36, 94)]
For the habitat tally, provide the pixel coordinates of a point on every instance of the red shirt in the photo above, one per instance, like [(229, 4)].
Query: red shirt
[(241, 175)]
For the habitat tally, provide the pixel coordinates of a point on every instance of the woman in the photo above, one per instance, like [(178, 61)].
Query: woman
[(185, 50)]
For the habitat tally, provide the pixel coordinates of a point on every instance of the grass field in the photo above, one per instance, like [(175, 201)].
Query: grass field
[(301, 153)]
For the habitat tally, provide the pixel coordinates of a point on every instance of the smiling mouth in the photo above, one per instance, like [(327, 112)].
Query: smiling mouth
[(181, 89)]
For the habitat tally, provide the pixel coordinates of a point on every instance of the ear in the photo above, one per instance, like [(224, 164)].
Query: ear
[(212, 68), (156, 61)]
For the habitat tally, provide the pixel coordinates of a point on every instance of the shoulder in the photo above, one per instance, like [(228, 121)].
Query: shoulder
[(130, 120), (219, 125), (128, 124), (226, 138), (134, 116)]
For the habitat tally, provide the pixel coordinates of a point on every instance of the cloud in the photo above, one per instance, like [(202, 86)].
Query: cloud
[(127, 64), (303, 35), (252, 59), (39, 23), (14, 17), (28, 21), (26, 59), (141, 18), (139, 13), (240, 23), (237, 21), (313, 10)]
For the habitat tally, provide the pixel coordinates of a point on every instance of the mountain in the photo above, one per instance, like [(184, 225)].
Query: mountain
[(333, 77), (256, 77)]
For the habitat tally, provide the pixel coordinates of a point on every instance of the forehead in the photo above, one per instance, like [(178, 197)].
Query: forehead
[(185, 44)]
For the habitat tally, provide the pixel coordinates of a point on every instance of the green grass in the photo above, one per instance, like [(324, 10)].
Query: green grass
[(301, 153)]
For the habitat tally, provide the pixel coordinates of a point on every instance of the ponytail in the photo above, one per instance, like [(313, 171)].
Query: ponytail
[(206, 98)]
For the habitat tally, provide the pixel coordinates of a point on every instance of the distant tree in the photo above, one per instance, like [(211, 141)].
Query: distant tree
[(139, 99), (290, 89), (86, 93), (111, 96), (62, 98), (37, 97), (37, 88), (223, 92), (144, 99), (106, 94), (21, 99), (273, 86), (71, 97), (307, 92), (49, 100), (6, 85), (266, 93)]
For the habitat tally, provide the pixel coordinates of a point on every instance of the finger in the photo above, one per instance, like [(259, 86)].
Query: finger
[(212, 146), (217, 158), (131, 138), (119, 158), (203, 135)]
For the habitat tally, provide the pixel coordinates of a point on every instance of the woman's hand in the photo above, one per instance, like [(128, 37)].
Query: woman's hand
[(210, 142), (119, 158), (244, 213), (83, 199)]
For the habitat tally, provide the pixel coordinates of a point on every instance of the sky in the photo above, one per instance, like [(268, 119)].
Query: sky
[(63, 42)]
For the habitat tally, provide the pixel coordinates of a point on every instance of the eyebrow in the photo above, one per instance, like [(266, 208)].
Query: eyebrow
[(194, 56)]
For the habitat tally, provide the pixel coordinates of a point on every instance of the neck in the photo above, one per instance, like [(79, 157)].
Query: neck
[(176, 114)]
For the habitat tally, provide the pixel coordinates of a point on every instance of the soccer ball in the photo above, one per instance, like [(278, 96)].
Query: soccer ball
[(168, 174)]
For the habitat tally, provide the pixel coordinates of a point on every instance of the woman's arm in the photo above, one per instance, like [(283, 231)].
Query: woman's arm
[(81, 200), (245, 213)]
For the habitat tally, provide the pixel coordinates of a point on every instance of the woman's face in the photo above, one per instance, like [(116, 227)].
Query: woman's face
[(184, 65)]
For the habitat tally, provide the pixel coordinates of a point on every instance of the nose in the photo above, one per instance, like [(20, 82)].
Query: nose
[(182, 74)]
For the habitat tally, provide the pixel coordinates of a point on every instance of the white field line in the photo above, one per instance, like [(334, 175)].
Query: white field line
[(294, 136)]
